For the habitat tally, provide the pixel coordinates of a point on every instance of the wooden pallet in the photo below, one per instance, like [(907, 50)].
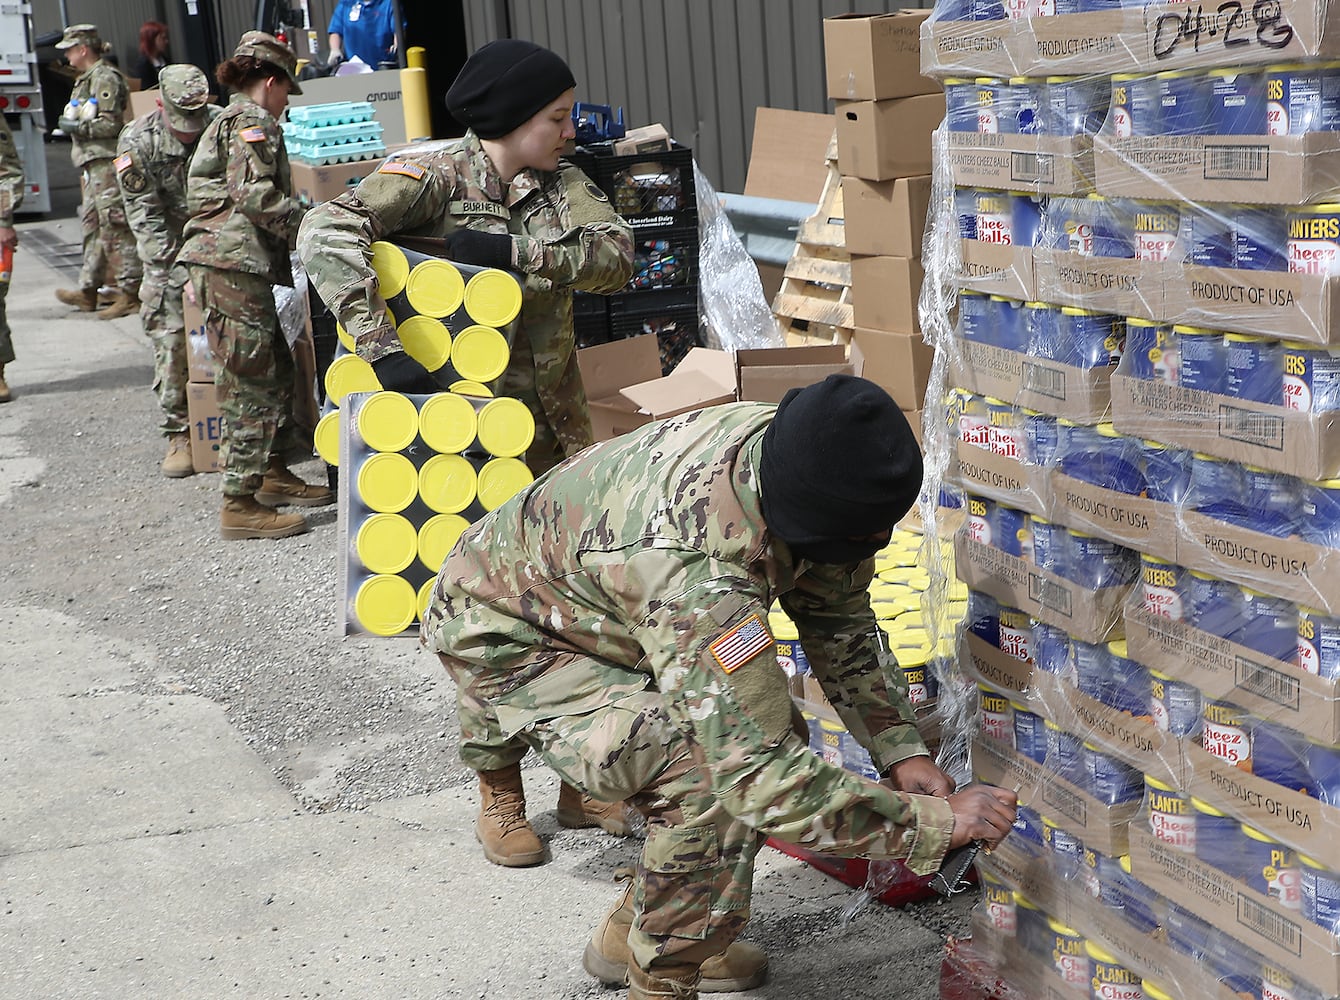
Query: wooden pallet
[(813, 305)]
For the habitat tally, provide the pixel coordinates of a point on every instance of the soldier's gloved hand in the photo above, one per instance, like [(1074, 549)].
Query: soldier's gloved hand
[(466, 246), (399, 372)]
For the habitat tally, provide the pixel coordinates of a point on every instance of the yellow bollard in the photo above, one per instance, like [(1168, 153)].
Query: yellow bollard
[(414, 92), (416, 57)]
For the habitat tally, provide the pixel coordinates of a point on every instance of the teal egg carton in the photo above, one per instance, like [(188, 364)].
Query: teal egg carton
[(330, 135), (345, 152), (334, 113)]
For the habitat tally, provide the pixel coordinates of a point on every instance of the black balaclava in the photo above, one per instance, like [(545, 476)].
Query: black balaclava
[(839, 462)]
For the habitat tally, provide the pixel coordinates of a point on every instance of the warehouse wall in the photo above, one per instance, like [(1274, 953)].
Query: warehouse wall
[(701, 67)]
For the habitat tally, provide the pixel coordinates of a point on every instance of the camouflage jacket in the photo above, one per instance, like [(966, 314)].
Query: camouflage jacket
[(649, 554), (151, 167), (243, 216), (95, 139), (11, 176), (565, 236)]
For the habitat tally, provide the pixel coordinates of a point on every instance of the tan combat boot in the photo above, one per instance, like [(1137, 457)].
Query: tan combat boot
[(5, 394), (243, 517), (578, 811), (742, 966), (124, 304), (177, 462), (84, 299), (502, 829), (673, 982), (280, 487)]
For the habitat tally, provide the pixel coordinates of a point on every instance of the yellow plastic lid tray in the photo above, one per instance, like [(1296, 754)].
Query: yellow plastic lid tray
[(385, 605), (493, 298), (479, 353), (506, 427), (387, 482), (437, 536), (435, 288), (349, 373), (448, 483), (501, 479), (426, 340)]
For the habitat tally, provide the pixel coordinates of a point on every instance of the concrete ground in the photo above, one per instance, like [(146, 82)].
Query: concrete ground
[(164, 836)]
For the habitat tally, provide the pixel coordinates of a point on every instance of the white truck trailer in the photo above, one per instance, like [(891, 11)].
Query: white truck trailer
[(21, 100)]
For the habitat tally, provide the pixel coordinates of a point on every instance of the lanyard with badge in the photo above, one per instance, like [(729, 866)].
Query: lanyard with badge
[(355, 11)]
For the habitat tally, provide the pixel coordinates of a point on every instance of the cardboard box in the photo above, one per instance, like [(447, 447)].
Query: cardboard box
[(1079, 394), (767, 374), (878, 140), (1118, 285), (884, 293), (1097, 824), (1282, 936), (1301, 444), (381, 89), (981, 661), (199, 346), (647, 139), (885, 218), (1275, 304), (1270, 689), (1091, 615), (1136, 522), (900, 362), (875, 57), (625, 390), (202, 410), (315, 184), (141, 103), (998, 269), (1279, 170), (1004, 478), (1043, 164), (1133, 739), (788, 154)]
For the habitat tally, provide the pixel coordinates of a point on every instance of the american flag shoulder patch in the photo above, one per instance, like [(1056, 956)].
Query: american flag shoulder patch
[(253, 134), (122, 162), (404, 169), (741, 644)]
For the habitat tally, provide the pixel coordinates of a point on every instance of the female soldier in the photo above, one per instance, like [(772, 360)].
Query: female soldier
[(500, 198), (243, 221)]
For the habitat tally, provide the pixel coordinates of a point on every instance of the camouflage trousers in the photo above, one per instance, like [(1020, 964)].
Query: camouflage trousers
[(165, 326), (253, 374), (696, 872), (109, 245), (6, 339)]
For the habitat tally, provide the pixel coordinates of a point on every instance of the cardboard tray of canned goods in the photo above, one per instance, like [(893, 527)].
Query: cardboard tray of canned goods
[(1031, 382), (1159, 36), (1045, 164), (995, 268), (1282, 936), (1002, 477)]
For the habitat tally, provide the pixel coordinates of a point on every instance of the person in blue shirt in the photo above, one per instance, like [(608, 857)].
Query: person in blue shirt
[(364, 29)]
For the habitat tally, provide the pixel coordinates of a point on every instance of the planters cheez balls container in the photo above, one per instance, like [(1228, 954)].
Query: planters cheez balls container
[(1090, 339), (1272, 868), (1207, 236), (1041, 436), (1016, 634), (1314, 239), (1134, 106), (1237, 102), (1279, 984), (995, 217), (998, 899), (1311, 381), (1259, 238), (1218, 839), (1156, 226), (1109, 779), (1030, 735), (1160, 587), (1069, 958), (1027, 101), (993, 714), (1279, 755), (1005, 435), (1184, 102), (1151, 350), (992, 102), (1254, 369), (1323, 765), (974, 426), (1225, 733), (961, 104), (1321, 893), (1301, 98), (1167, 471), (965, 209), (1174, 704), (1108, 978), (974, 312), (1210, 604), (1319, 641), (1204, 360), (1172, 819), (1077, 105)]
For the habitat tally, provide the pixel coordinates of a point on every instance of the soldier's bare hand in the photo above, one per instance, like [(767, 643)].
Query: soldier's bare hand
[(919, 776), (982, 812), (8, 237)]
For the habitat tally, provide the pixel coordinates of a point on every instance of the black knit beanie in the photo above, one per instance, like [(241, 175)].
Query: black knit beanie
[(839, 461), (504, 83)]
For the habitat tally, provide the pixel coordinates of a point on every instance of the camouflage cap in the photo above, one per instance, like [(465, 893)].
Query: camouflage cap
[(185, 92), (267, 48), (80, 34)]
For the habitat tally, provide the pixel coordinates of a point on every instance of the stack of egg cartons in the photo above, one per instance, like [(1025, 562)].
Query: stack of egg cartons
[(1162, 284), (341, 132), (420, 468)]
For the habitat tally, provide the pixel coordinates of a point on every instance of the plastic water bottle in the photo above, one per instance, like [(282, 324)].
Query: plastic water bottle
[(89, 111), (71, 112)]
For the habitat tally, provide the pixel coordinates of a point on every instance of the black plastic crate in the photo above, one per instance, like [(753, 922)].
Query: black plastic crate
[(650, 189), (590, 319), (664, 258), (671, 314)]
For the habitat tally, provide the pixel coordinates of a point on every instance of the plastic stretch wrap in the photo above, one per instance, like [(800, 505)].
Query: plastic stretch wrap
[(291, 303), (1132, 282), (735, 314)]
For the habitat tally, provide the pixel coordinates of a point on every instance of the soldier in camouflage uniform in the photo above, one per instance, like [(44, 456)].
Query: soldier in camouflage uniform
[(614, 616), (501, 198), (109, 247), (243, 222), (152, 156), (11, 196)]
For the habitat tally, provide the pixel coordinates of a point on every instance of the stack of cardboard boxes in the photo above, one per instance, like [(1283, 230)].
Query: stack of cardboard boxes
[(885, 112), (1146, 434)]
